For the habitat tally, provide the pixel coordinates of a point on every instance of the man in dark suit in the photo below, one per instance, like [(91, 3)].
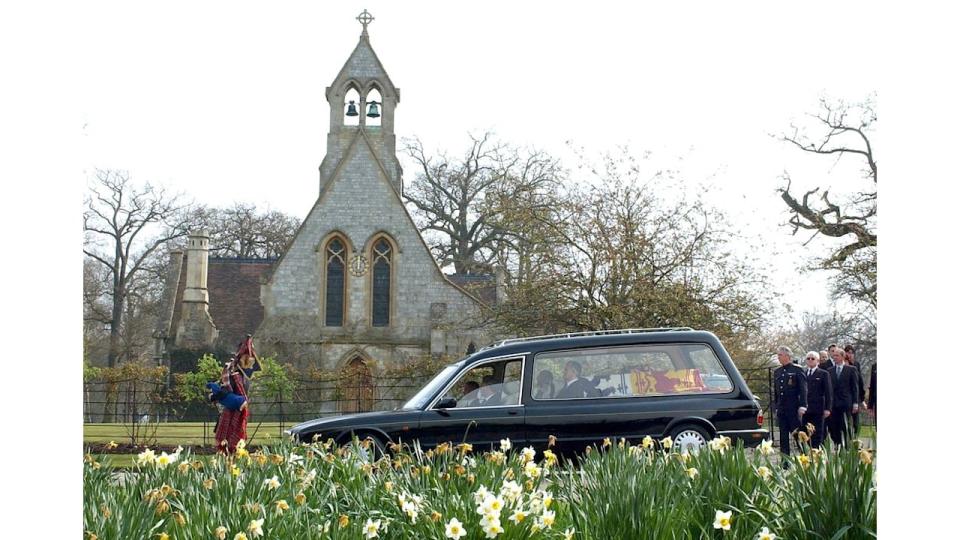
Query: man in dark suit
[(872, 398), (574, 386), (827, 364), (850, 358), (844, 397), (819, 398), (789, 396), (489, 394)]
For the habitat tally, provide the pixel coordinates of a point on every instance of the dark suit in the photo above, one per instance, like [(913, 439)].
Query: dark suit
[(845, 392), (872, 401), (819, 399), (577, 388), (826, 366), (861, 396), (789, 394)]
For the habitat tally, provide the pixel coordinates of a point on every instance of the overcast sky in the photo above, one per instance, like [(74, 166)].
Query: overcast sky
[(226, 102)]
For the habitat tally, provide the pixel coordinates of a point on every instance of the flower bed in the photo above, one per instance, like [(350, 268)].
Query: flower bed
[(615, 491)]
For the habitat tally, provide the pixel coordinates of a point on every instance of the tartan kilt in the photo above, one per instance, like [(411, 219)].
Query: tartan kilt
[(231, 427)]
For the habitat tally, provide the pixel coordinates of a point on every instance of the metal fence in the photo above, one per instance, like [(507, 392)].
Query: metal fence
[(145, 411)]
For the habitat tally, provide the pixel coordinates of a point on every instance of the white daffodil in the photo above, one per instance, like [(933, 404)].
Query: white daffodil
[(765, 534), (505, 444), (480, 494), (547, 518), (531, 470), (766, 447), (371, 529), (722, 520), (147, 457), (511, 490), (454, 529), (518, 516), (528, 454), (493, 529), (272, 483), (255, 528), (568, 534)]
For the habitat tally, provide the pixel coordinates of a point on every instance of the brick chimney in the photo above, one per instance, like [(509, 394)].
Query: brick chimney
[(195, 328)]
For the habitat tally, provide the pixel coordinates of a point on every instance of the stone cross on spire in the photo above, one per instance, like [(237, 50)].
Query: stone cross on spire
[(365, 18)]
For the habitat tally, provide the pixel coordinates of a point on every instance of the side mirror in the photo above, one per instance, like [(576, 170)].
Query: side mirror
[(447, 403)]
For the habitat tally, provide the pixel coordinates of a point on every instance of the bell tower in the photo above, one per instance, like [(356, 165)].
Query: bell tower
[(362, 102)]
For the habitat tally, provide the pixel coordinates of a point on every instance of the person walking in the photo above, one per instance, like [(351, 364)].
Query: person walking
[(844, 398), (819, 398), (851, 360), (789, 396)]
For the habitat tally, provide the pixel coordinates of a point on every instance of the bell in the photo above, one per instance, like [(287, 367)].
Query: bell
[(373, 112), (352, 110)]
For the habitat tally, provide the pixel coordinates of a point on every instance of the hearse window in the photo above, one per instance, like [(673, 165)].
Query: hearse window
[(488, 385), (632, 371)]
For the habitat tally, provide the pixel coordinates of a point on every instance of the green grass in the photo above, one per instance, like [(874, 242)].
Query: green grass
[(176, 433)]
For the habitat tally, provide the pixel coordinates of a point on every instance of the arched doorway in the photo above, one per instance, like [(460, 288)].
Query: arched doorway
[(356, 387)]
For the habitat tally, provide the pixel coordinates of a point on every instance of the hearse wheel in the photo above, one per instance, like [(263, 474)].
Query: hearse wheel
[(689, 438)]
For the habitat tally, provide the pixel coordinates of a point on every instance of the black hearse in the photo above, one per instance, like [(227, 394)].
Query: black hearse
[(579, 388)]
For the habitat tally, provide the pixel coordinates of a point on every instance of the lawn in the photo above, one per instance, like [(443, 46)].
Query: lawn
[(175, 433)]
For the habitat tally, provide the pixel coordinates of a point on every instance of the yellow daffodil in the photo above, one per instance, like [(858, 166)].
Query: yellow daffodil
[(255, 528), (163, 536), (179, 518), (162, 507), (465, 447), (647, 442), (723, 520), (220, 533), (606, 442), (183, 467), (343, 521), (803, 460), (666, 443), (803, 437), (240, 536), (300, 498), (765, 534), (111, 445), (692, 472), (90, 535), (105, 510), (371, 529), (866, 457), (454, 529), (234, 470), (208, 483), (764, 472), (435, 516), (531, 470), (549, 457), (471, 478), (281, 506)]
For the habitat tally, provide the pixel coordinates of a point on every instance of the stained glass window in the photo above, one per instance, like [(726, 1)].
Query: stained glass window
[(336, 282), (381, 283)]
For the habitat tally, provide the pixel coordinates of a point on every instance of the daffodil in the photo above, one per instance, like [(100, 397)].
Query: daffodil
[(240, 536), (163, 536), (531, 470), (371, 529), (803, 460), (723, 520), (208, 483), (547, 518), (518, 516), (549, 457), (765, 534), (666, 443), (866, 457), (234, 470), (454, 529), (568, 534), (255, 528), (179, 518), (147, 457), (281, 506), (435, 516), (343, 521), (505, 445), (111, 445), (763, 472), (493, 529), (272, 483), (528, 454), (647, 442), (220, 533), (692, 472), (300, 498)]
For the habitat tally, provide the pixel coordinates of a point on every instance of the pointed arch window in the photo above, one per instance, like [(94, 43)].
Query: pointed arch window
[(336, 283), (382, 271)]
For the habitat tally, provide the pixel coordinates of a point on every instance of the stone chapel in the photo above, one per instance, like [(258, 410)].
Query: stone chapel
[(357, 285)]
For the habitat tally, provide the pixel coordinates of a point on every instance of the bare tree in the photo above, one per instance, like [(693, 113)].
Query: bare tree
[(242, 231), (841, 130), (465, 200), (124, 225)]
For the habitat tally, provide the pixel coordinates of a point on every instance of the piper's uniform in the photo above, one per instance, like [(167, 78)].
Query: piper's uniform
[(789, 394)]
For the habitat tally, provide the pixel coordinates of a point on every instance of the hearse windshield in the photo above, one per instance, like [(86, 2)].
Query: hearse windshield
[(421, 398)]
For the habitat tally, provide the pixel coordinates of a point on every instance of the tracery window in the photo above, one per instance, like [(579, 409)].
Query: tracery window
[(336, 283), (382, 269)]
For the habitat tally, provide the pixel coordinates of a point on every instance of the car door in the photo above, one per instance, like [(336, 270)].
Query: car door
[(481, 417)]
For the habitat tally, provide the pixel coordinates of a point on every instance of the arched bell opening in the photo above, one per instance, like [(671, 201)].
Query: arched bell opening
[(351, 108), (374, 106)]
